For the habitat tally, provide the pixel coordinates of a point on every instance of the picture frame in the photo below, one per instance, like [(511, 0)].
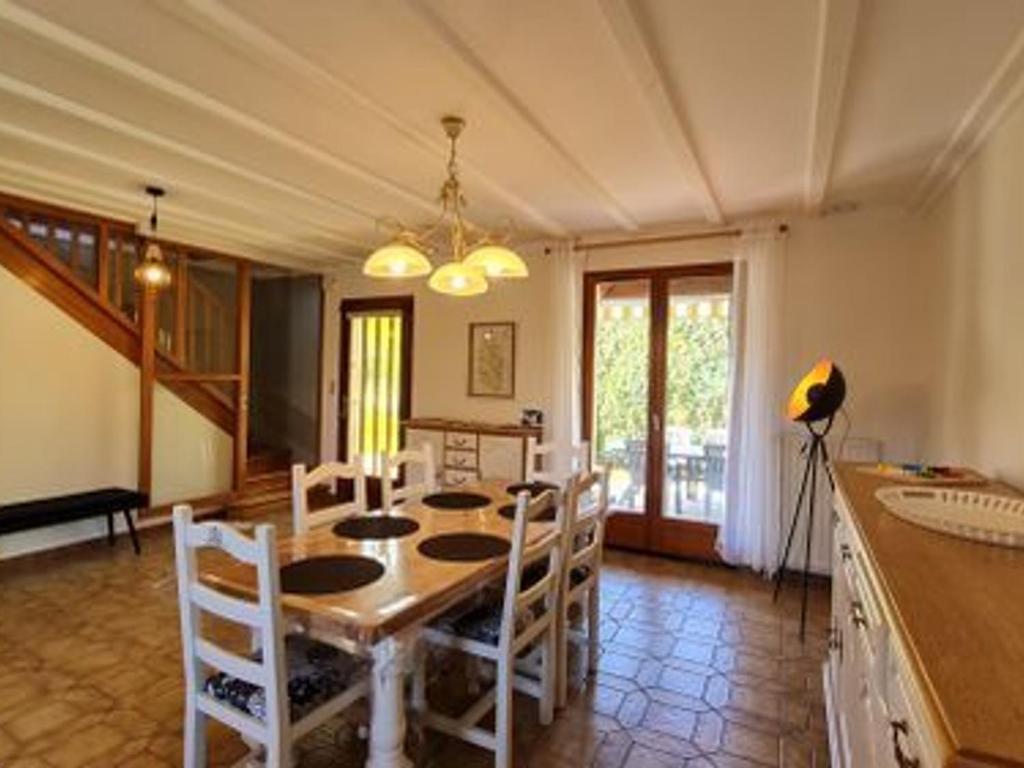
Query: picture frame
[(492, 360)]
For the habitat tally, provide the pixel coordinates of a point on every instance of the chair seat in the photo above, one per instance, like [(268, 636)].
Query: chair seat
[(317, 672), (481, 621), (535, 573)]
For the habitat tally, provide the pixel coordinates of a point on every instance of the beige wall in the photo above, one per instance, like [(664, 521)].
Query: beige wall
[(69, 420), (976, 246), (854, 291), (441, 345)]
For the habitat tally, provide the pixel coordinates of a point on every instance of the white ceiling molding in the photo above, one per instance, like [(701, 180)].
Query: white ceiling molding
[(99, 54), (240, 31), (174, 184), (129, 130), (476, 66), (132, 207), (636, 50), (1001, 92), (837, 31)]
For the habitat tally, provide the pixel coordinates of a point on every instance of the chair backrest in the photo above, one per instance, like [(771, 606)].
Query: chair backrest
[(421, 461), (519, 618), (586, 510), (303, 482), (541, 465), (262, 615)]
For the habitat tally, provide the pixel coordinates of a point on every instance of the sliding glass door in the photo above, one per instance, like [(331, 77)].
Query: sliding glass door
[(656, 396)]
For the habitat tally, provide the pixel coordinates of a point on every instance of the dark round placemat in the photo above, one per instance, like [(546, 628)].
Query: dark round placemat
[(508, 511), (535, 488), (331, 573), (463, 547), (456, 500), (375, 527)]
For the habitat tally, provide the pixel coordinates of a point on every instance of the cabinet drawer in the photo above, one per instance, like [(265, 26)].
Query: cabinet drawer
[(456, 459), (460, 440), (457, 477)]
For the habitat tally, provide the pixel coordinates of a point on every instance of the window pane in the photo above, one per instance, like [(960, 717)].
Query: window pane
[(621, 374), (697, 398)]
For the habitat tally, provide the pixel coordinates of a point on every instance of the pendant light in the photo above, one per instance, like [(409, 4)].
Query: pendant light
[(152, 271), (470, 264)]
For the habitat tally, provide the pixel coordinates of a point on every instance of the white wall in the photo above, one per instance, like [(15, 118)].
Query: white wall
[(976, 247), (857, 290), (69, 420)]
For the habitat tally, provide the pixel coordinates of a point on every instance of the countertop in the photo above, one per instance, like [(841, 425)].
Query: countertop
[(960, 607)]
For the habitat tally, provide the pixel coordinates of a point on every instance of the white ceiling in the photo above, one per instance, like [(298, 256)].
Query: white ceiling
[(284, 131)]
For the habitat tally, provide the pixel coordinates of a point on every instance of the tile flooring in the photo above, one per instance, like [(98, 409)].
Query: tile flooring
[(698, 669)]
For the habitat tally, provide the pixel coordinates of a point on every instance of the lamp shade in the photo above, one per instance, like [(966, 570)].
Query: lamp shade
[(152, 271), (456, 279), (497, 261), (397, 259), (819, 394)]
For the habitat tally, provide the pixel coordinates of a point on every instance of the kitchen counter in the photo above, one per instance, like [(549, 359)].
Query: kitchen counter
[(958, 609)]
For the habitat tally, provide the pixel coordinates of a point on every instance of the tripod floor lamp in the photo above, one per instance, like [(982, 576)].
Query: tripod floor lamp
[(813, 403)]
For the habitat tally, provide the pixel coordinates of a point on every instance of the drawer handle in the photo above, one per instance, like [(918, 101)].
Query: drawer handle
[(845, 553), (899, 730), (857, 614)]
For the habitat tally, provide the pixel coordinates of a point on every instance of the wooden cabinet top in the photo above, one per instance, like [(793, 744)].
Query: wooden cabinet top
[(453, 425), (960, 610)]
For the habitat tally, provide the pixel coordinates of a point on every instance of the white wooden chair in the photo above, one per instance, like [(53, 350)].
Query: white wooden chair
[(586, 513), (500, 632), (281, 692), (331, 472), (420, 476), (541, 456)]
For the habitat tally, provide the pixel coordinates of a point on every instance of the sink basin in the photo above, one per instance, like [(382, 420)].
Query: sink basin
[(985, 517)]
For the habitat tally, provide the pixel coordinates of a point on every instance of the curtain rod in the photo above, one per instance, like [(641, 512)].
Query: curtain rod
[(659, 239)]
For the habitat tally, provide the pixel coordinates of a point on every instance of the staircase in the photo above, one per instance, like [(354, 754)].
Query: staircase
[(267, 481)]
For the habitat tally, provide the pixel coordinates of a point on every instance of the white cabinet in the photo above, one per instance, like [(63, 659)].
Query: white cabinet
[(469, 451), (415, 438), (874, 700)]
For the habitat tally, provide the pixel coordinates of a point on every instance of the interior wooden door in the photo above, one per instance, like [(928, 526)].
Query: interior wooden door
[(657, 360)]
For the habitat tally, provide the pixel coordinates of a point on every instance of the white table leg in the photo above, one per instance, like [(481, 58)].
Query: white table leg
[(387, 718)]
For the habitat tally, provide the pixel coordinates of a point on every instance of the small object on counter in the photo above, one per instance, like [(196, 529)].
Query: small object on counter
[(927, 474)]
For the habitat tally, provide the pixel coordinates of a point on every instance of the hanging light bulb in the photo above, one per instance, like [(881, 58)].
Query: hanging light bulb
[(497, 261), (402, 257), (152, 271)]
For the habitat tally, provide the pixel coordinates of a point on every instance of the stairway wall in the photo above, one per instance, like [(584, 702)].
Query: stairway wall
[(69, 420)]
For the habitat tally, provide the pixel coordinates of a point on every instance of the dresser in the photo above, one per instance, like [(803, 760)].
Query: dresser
[(925, 667), (468, 451)]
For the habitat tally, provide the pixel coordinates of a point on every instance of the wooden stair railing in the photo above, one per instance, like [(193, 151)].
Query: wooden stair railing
[(53, 279)]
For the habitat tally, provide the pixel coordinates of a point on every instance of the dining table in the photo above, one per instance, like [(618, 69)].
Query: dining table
[(381, 620)]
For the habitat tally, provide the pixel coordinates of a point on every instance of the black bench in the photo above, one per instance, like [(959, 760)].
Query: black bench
[(27, 515)]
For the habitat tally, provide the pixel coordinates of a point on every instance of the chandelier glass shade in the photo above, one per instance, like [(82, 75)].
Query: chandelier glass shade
[(474, 257), (152, 271)]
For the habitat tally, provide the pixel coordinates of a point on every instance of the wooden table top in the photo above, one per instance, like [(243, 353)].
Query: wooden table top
[(960, 605), (413, 588)]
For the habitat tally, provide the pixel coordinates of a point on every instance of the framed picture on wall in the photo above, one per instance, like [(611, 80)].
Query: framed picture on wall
[(492, 360)]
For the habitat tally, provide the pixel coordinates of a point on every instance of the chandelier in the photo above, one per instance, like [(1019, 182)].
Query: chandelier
[(474, 256)]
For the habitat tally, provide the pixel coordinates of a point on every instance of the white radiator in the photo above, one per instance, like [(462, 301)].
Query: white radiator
[(854, 449)]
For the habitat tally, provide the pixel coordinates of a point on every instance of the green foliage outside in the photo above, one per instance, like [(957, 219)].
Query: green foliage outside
[(698, 375)]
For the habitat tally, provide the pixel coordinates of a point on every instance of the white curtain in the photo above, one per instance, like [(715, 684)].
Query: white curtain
[(750, 533), (566, 339)]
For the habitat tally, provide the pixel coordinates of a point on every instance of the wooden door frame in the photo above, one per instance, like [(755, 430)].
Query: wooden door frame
[(649, 531), (405, 305)]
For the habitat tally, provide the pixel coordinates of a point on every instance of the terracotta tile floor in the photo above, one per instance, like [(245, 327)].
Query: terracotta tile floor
[(698, 669)]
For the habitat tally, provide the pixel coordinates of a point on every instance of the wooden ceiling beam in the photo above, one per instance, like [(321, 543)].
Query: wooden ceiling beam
[(636, 50), (42, 27), (837, 30), (240, 31), (1001, 92), (486, 77)]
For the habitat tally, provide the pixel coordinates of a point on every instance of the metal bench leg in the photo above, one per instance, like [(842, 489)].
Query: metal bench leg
[(110, 528), (131, 530)]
